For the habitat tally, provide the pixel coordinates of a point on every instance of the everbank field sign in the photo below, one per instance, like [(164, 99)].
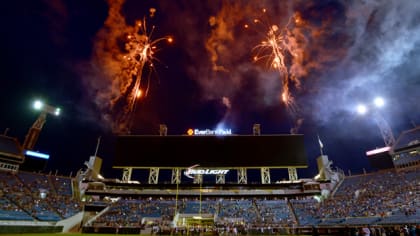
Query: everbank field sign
[(209, 132)]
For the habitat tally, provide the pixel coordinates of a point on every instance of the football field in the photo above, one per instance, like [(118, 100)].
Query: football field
[(78, 234)]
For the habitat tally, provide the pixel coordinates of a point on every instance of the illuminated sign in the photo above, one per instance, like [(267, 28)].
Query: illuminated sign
[(209, 132), (37, 154), (191, 171), (378, 150)]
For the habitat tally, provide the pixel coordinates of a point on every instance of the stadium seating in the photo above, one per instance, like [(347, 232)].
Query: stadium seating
[(33, 196), (274, 211), (380, 198), (376, 198)]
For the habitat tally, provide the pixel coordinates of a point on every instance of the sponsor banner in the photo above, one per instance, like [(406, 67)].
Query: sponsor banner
[(209, 132), (191, 171)]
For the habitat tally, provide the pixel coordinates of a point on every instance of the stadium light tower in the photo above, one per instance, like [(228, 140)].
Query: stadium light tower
[(384, 127), (33, 133)]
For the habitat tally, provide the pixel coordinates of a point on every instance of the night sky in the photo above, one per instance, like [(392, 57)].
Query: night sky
[(337, 54)]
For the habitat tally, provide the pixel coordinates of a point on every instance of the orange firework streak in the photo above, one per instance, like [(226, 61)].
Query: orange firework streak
[(122, 53), (278, 44), (140, 52)]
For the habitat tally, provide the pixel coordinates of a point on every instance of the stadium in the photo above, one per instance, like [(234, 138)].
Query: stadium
[(121, 70), (205, 190)]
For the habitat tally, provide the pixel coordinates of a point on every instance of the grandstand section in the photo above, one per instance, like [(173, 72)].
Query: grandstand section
[(34, 161), (406, 151), (36, 200), (14, 157), (11, 153), (335, 204), (380, 158), (384, 200)]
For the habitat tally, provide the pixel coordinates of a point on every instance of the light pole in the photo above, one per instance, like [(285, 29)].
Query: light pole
[(383, 125), (33, 133)]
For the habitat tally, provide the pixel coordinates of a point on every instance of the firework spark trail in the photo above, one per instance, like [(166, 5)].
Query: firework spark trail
[(280, 46), (139, 48), (124, 66), (316, 40), (140, 53), (282, 49)]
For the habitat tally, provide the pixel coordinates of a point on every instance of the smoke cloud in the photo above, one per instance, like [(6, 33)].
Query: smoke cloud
[(380, 62), (121, 54), (344, 51), (315, 39), (336, 54)]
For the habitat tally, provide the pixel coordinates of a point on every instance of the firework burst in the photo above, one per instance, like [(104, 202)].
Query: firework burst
[(123, 61), (140, 50), (280, 50)]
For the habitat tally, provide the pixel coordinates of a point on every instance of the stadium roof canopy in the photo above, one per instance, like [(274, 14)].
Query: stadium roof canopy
[(408, 139), (10, 149)]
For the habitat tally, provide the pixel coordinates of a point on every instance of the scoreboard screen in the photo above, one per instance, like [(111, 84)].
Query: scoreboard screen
[(182, 151)]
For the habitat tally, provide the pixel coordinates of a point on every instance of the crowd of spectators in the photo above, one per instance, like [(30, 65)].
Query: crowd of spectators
[(380, 198), (375, 196), (35, 196)]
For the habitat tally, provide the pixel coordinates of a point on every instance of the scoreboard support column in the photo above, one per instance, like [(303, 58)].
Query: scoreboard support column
[(153, 175), (242, 178), (220, 179), (127, 174), (292, 174), (198, 179), (176, 176), (265, 175)]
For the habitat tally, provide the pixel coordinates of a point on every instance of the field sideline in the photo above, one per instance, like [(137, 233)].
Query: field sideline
[(64, 234), (78, 234)]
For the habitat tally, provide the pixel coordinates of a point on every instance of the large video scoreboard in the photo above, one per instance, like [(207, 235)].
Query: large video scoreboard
[(173, 151)]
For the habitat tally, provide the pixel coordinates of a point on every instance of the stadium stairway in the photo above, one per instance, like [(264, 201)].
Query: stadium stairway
[(292, 210), (51, 185), (257, 211), (71, 224), (91, 220), (337, 186)]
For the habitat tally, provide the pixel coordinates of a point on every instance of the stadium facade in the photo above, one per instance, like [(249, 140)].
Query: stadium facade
[(210, 154), (198, 199)]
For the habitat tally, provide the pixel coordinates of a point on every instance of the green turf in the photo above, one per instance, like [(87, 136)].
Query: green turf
[(78, 234), (63, 234)]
